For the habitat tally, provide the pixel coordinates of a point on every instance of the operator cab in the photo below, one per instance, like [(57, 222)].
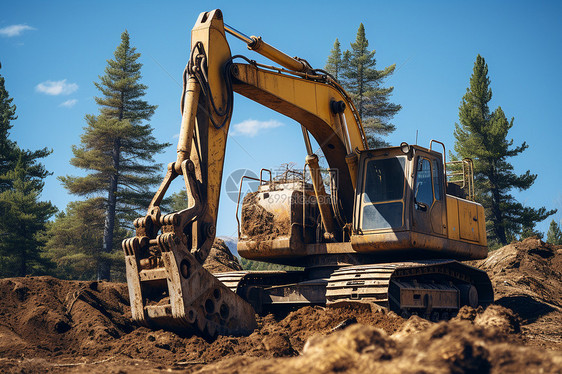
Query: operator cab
[(400, 191), (401, 204)]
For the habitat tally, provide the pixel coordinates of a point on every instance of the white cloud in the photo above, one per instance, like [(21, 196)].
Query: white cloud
[(56, 88), (14, 30), (69, 103), (251, 127)]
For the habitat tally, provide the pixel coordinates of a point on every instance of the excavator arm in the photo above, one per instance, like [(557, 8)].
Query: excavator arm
[(168, 286), (313, 104)]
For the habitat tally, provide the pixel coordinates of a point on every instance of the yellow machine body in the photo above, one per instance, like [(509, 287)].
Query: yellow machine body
[(386, 231), (401, 211)]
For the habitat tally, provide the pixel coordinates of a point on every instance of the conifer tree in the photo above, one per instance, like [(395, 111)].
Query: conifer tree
[(8, 148), (22, 216), (482, 136), (364, 82), (177, 201), (334, 63), (117, 148), (554, 234), (23, 220), (10, 153), (74, 242)]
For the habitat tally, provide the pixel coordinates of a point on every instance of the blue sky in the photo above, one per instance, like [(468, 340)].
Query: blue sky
[(60, 48)]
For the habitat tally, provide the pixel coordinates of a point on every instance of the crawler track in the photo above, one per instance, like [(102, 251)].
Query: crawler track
[(431, 288)]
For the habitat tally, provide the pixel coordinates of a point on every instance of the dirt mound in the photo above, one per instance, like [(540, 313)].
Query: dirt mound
[(51, 325), (220, 259), (527, 278), (530, 267), (259, 224), (419, 346), (44, 317), (274, 337)]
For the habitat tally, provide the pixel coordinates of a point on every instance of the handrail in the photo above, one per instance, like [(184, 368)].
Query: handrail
[(261, 176), (466, 176), (443, 155)]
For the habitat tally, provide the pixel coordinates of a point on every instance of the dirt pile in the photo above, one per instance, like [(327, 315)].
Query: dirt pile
[(220, 259), (44, 317), (51, 325), (258, 224), (459, 346), (256, 221), (530, 267), (527, 278)]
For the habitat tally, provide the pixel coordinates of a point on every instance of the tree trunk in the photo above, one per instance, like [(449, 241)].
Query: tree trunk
[(109, 226), (23, 253), (499, 228)]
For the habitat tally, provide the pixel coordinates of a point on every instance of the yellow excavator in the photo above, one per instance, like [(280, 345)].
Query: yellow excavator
[(391, 229)]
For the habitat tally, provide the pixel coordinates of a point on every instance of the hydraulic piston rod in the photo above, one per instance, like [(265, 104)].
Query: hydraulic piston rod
[(256, 43)]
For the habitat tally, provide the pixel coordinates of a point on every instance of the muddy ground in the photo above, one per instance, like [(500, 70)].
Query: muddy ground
[(51, 325)]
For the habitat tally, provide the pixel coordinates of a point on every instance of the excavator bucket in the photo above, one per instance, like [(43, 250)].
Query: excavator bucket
[(174, 292)]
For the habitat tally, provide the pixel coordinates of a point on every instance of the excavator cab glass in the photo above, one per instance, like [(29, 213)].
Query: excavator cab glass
[(423, 189), (383, 193)]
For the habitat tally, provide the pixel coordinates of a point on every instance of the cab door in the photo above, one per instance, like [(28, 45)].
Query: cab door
[(429, 200)]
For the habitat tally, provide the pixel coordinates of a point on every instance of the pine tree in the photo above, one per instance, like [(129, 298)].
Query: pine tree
[(334, 63), (117, 147), (74, 242), (177, 201), (22, 216), (23, 220), (10, 153), (364, 83), (482, 136), (8, 148), (554, 234)]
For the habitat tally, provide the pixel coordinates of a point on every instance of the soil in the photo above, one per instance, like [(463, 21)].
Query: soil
[(256, 221), (220, 259), (527, 278), (52, 325), (258, 224)]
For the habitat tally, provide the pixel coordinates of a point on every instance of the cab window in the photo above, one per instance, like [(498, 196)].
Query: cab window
[(383, 194), (385, 180), (423, 190)]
